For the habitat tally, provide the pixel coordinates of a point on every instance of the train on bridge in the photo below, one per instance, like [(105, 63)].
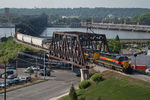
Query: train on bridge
[(32, 40), (114, 61)]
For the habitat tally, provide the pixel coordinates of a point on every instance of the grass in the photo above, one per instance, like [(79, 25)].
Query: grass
[(116, 87), (9, 49)]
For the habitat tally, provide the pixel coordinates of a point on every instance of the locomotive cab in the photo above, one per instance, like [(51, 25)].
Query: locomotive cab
[(124, 61)]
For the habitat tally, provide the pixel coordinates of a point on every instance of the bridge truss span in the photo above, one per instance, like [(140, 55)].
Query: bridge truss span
[(76, 47)]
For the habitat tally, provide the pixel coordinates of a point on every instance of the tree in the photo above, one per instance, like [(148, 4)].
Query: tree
[(145, 19), (31, 71), (114, 46), (135, 20), (72, 93), (117, 38)]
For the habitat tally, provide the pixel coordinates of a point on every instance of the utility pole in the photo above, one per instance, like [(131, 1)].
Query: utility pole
[(36, 67), (49, 63), (5, 81), (44, 67), (17, 64)]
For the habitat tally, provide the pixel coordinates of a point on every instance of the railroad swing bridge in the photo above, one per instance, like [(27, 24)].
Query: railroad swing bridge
[(74, 47)]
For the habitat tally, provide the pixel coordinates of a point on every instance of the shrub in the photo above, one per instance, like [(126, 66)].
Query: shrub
[(31, 71), (35, 75), (72, 93), (96, 77), (84, 84), (82, 98), (98, 98)]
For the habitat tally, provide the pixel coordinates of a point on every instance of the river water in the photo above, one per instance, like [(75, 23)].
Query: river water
[(109, 33)]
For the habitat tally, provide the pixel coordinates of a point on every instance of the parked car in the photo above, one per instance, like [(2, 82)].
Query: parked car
[(35, 68), (2, 84), (16, 80), (27, 70), (47, 73), (25, 78), (12, 76), (78, 74), (32, 67), (10, 72), (147, 71), (11, 82), (11, 67)]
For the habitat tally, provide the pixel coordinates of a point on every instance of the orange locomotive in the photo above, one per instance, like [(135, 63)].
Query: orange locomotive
[(114, 61)]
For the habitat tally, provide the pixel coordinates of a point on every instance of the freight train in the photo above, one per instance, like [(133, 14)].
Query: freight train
[(31, 40), (114, 61)]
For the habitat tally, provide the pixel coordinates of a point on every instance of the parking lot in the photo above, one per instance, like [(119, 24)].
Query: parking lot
[(19, 76), (59, 83)]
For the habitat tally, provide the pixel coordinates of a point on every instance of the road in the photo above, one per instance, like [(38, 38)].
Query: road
[(59, 83)]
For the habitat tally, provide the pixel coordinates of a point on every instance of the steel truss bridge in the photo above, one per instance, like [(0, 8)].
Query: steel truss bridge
[(73, 47)]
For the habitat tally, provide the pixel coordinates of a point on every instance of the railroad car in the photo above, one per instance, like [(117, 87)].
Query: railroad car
[(35, 41), (114, 61)]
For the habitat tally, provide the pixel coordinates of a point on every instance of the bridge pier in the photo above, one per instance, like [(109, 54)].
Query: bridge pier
[(84, 74)]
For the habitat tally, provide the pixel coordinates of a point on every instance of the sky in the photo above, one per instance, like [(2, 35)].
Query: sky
[(74, 3)]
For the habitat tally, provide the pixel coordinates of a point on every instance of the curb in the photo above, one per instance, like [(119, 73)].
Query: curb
[(56, 98)]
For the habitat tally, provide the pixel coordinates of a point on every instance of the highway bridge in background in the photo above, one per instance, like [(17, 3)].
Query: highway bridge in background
[(111, 26)]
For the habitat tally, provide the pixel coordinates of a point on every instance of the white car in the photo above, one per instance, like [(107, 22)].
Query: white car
[(147, 71), (35, 68), (25, 78), (2, 84), (27, 70), (12, 76)]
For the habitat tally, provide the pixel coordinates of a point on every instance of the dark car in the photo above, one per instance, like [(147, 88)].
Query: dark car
[(47, 73), (78, 74), (10, 82), (10, 72)]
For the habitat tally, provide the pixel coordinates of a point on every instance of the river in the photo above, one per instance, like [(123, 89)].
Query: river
[(109, 33)]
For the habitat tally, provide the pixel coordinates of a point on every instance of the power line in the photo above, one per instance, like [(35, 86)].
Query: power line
[(41, 58)]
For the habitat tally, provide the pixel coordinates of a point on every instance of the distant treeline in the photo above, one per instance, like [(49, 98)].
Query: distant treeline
[(82, 12)]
